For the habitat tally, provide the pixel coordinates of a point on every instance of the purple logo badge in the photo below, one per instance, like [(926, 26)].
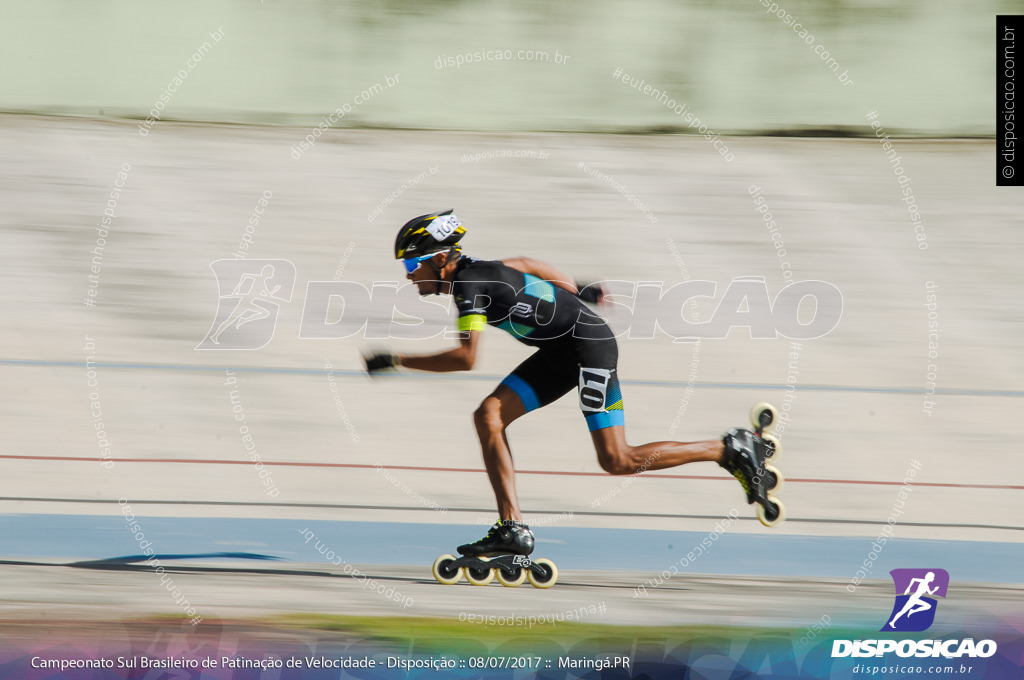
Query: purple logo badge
[(915, 605)]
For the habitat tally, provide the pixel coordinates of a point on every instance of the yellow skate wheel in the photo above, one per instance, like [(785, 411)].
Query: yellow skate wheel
[(764, 415), (445, 571), (479, 576), (513, 579), (779, 479), (549, 577), (772, 440), (779, 515)]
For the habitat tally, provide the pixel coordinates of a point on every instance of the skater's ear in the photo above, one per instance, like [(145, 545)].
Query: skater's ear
[(448, 257)]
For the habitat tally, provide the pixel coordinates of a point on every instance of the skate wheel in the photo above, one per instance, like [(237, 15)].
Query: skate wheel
[(479, 576), (763, 417), (513, 578), (445, 571), (549, 576), (775, 515), (774, 445), (773, 479)]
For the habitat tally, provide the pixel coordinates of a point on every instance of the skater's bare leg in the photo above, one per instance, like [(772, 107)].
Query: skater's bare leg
[(619, 458), (495, 413)]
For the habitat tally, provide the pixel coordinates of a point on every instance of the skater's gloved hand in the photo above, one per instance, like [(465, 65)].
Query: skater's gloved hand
[(380, 361), (590, 292)]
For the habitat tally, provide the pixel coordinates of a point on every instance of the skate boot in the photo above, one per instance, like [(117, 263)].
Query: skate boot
[(506, 536), (504, 553), (746, 455)]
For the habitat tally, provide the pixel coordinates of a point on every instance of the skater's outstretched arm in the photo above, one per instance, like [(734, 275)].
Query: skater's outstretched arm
[(542, 270), (460, 358)]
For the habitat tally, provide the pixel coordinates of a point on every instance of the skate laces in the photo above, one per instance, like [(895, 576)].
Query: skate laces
[(494, 530), (509, 524)]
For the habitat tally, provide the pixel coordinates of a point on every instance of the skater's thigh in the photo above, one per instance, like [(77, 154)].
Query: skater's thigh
[(600, 394), (545, 376)]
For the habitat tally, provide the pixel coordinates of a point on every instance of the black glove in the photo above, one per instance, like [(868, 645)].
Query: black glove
[(590, 292), (380, 361)]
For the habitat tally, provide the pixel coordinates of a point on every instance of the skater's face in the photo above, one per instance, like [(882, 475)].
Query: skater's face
[(425, 277)]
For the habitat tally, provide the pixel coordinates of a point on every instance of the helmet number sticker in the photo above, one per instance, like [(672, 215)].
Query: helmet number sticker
[(593, 388), (444, 226)]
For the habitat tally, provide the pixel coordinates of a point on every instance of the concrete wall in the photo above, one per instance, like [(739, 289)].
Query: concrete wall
[(733, 65)]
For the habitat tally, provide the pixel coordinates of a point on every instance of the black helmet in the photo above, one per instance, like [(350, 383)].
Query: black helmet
[(426, 234)]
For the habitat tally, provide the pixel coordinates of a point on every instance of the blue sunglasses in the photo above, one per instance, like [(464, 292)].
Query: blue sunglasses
[(413, 263)]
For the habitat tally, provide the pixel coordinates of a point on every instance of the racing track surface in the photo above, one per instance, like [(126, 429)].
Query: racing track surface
[(323, 427)]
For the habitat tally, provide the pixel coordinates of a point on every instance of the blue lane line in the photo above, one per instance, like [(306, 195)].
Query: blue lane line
[(949, 391), (135, 559), (98, 537)]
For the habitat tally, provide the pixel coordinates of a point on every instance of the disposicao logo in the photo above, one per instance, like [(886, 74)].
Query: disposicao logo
[(914, 611)]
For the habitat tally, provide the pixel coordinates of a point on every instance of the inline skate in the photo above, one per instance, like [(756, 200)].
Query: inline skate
[(504, 553)]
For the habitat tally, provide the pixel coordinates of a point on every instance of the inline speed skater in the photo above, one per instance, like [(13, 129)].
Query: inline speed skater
[(541, 307)]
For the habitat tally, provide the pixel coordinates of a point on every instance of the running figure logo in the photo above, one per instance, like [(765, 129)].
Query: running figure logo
[(250, 295), (914, 611)]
